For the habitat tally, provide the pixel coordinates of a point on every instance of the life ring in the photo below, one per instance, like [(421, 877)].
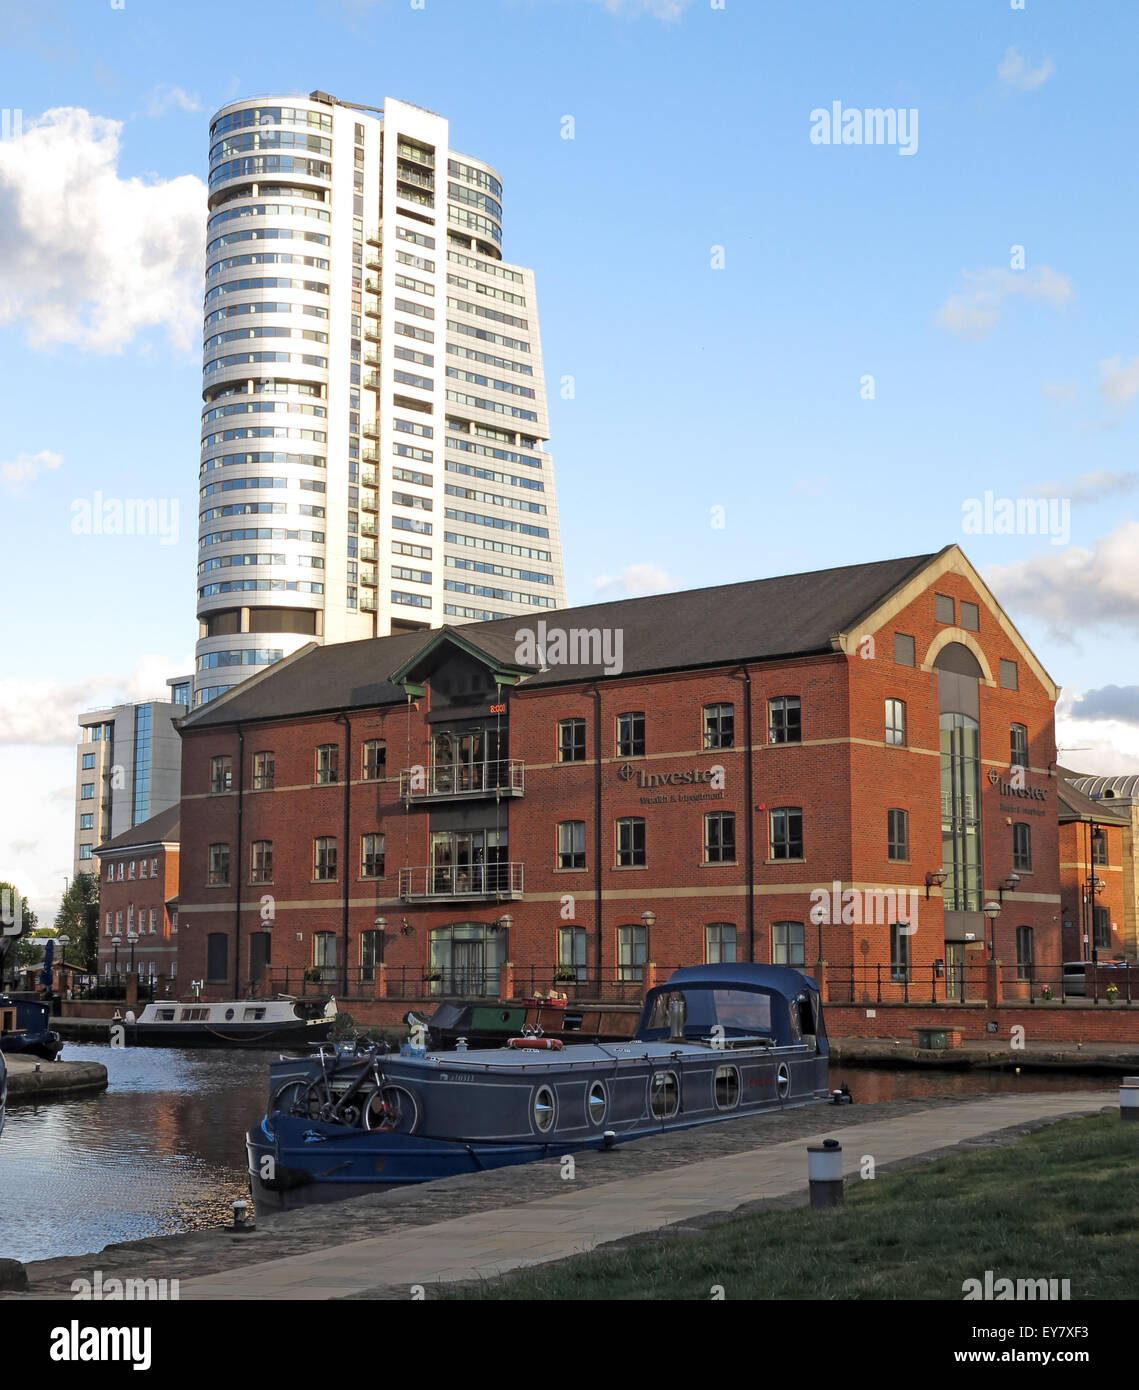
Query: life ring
[(544, 1044)]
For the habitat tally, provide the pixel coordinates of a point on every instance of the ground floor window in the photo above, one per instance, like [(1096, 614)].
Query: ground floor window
[(899, 953), (631, 953), (324, 956), (1024, 953), (1101, 928), (787, 943), (571, 953), (217, 956), (371, 954), (720, 943), (466, 958)]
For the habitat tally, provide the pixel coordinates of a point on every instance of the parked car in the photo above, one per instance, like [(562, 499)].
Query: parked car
[(1075, 977)]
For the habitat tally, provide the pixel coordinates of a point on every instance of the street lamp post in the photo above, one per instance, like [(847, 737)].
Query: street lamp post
[(132, 937), (992, 910)]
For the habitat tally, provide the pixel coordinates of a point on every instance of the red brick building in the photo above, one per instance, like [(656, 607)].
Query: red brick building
[(138, 896), (849, 764), (1093, 860)]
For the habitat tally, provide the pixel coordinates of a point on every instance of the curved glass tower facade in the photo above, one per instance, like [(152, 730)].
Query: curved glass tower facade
[(374, 406)]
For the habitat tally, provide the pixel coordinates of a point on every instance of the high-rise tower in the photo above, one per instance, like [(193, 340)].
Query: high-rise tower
[(375, 406)]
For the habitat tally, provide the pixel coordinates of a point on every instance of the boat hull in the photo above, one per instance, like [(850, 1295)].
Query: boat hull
[(296, 1034)]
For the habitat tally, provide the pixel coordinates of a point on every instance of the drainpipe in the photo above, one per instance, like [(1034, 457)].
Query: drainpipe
[(343, 719), (749, 813), (598, 923), (237, 994)]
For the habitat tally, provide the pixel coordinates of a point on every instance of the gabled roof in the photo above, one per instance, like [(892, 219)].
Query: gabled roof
[(1075, 804), (757, 620), (162, 829)]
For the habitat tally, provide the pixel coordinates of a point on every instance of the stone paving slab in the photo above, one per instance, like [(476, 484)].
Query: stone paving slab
[(490, 1242)]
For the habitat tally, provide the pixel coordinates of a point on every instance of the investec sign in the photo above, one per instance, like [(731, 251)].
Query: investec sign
[(662, 782), (1016, 787)]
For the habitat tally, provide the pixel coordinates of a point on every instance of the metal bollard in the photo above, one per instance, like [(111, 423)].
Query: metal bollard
[(241, 1221), (1129, 1098), (824, 1173)]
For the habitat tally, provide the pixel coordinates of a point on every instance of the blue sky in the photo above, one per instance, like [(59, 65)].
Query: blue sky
[(693, 387)]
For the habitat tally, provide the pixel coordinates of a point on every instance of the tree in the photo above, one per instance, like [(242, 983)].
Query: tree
[(16, 921), (78, 917)]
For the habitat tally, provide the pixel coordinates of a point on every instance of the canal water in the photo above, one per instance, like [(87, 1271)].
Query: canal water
[(162, 1150)]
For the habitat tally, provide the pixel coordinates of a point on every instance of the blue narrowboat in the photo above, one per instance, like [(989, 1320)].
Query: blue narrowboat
[(25, 1028), (714, 1043)]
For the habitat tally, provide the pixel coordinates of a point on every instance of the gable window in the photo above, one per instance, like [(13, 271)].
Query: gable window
[(630, 842), (904, 653), (261, 862), (897, 833), (571, 844), (571, 741), (221, 773), (896, 722), (720, 837), (1010, 677), (719, 726), (264, 767), (1018, 745), (720, 943), (374, 760), (218, 873), (943, 608), (970, 618), (327, 764), (324, 858), (787, 943), (1022, 847), (631, 735), (784, 719), (372, 856), (787, 832)]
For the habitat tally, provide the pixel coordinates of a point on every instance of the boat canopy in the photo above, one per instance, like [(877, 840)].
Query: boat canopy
[(773, 1002)]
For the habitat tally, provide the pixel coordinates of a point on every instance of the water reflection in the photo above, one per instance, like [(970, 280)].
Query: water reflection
[(163, 1149)]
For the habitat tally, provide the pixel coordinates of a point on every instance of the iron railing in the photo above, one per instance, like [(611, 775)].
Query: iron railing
[(502, 776), (461, 881)]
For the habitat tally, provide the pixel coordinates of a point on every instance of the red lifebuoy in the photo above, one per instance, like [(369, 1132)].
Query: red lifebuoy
[(545, 1044)]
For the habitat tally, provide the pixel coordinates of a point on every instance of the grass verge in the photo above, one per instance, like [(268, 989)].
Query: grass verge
[(1061, 1203)]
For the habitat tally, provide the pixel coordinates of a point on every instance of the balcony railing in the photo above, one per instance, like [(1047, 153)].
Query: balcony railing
[(461, 881), (372, 331), (372, 358), (370, 429), (367, 477), (372, 286), (368, 576), (374, 380), (374, 261), (373, 307), (448, 781), (367, 603), (375, 236), (369, 528)]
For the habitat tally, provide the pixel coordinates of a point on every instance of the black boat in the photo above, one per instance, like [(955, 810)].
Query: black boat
[(25, 1029)]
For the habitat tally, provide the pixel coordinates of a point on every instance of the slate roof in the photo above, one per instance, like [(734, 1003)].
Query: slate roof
[(163, 828), (757, 620)]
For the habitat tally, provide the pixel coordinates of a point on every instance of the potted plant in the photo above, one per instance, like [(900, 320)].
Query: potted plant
[(1046, 994), (313, 974), (565, 975), (1112, 992), (431, 976)]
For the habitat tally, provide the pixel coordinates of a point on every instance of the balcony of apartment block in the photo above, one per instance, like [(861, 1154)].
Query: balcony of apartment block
[(368, 551), (369, 501), (369, 528), (372, 286), (368, 576), (437, 883), (415, 155), (371, 429), (367, 603), (372, 330), (375, 236), (370, 455), (374, 381), (367, 476), (372, 357), (414, 178), (373, 260), (463, 781), (372, 308)]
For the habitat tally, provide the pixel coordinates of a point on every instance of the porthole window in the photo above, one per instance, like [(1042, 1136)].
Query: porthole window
[(727, 1088), (595, 1103), (783, 1080), (228, 1015), (664, 1095), (544, 1109)]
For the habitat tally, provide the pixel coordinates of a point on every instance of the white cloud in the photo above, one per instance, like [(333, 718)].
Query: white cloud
[(634, 582), (1073, 589), (1016, 71), (25, 468), (163, 99), (976, 307), (1119, 380), (1061, 392), (44, 713), (91, 258), (1094, 486), (1103, 747)]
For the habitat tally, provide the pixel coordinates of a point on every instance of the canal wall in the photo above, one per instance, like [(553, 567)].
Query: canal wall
[(1072, 1023), (30, 1080)]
